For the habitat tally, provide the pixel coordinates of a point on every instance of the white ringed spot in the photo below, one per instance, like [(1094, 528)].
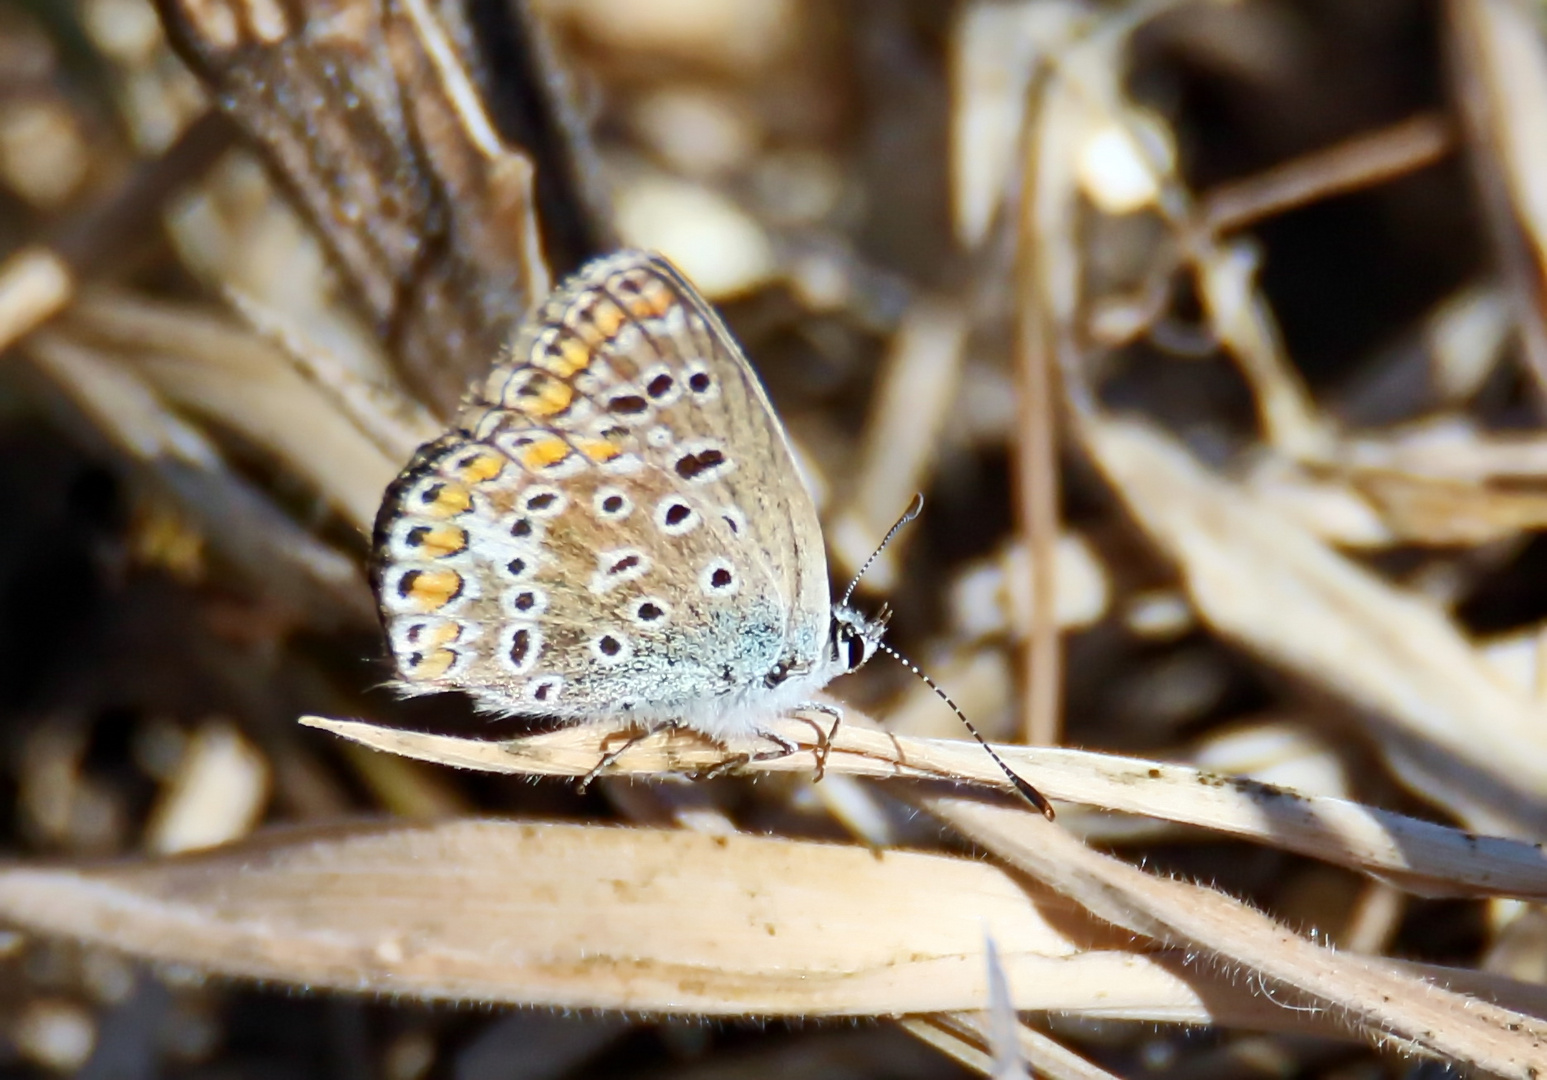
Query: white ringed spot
[(701, 461), (661, 385), (520, 646), (651, 611), (519, 567), (543, 501), (673, 516), (614, 568), (527, 530), (719, 578), (545, 689), (611, 504), (525, 603), (611, 648), (701, 382)]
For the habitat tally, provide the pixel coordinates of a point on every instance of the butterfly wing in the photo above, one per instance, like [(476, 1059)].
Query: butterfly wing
[(616, 526)]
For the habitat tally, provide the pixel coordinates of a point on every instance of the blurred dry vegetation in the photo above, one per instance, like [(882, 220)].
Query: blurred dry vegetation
[(1214, 334)]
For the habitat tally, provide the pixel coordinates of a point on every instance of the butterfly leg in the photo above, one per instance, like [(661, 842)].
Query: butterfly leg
[(784, 748), (824, 744), (610, 756)]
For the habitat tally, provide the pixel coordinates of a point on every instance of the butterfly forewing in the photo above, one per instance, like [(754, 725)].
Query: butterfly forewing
[(617, 525)]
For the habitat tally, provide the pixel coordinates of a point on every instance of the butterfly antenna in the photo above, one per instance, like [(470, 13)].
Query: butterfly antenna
[(1027, 792), (913, 511)]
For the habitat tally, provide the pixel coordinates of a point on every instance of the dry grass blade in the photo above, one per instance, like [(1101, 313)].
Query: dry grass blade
[(579, 916), (217, 370), (1500, 69), (1417, 855), (913, 405), (1430, 510), (588, 916), (1457, 733), (305, 574), (630, 919), (1361, 992)]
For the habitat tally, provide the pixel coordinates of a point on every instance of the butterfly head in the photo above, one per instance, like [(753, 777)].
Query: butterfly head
[(854, 637)]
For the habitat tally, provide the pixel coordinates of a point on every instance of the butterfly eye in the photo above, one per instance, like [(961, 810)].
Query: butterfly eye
[(856, 643)]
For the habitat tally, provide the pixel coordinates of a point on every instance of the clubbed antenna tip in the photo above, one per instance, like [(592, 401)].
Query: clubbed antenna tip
[(914, 509), (1027, 792)]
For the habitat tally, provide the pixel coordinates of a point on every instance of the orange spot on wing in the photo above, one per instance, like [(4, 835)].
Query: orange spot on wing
[(431, 663), (608, 317), (476, 470), (544, 452), (439, 540), (433, 637), (542, 395), (566, 357), (599, 451), (444, 499), (430, 590), (597, 322), (652, 301)]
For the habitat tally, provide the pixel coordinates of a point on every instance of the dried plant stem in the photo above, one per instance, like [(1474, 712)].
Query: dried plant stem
[(1362, 162), (1037, 333)]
